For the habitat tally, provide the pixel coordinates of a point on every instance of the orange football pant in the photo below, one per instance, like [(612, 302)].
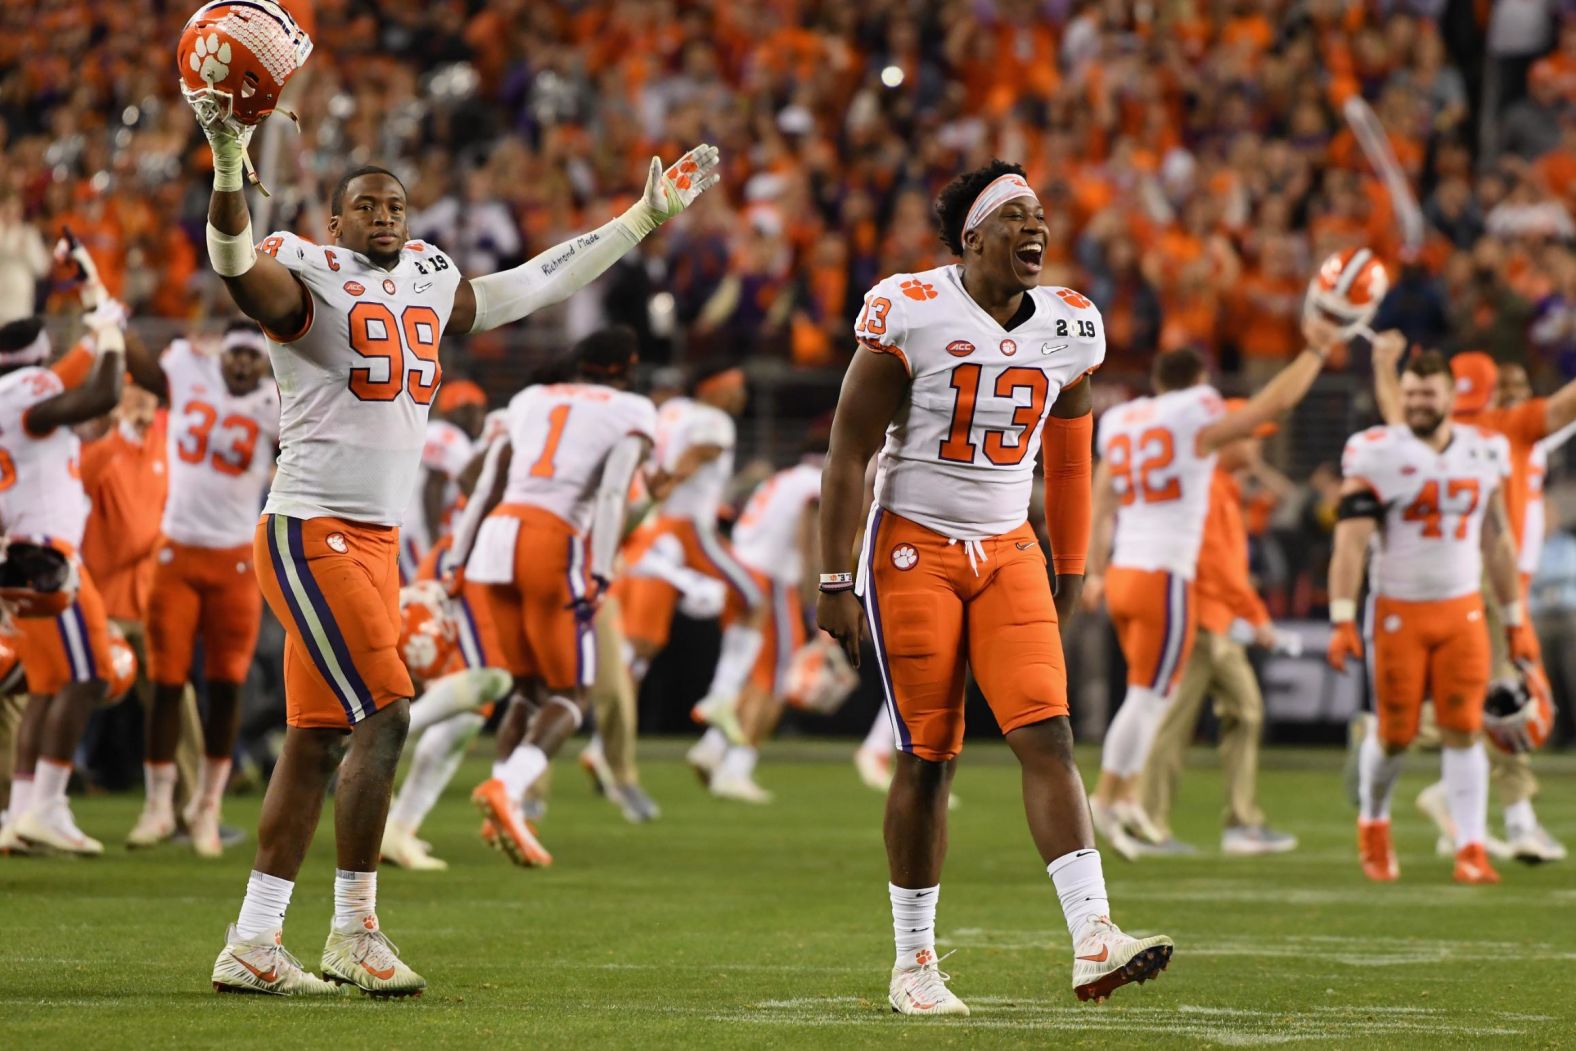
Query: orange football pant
[(648, 603), (208, 592), (1154, 615), (72, 646), (538, 633), (1437, 649)]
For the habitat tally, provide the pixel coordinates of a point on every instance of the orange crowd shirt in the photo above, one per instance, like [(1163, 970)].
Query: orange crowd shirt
[(1223, 586), (127, 481)]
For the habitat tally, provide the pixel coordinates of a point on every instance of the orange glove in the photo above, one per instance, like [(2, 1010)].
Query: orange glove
[(1523, 643), (1344, 643)]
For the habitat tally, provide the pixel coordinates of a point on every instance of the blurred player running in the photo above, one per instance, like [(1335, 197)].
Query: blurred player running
[(559, 480), (1431, 491), (1157, 456), (64, 651), (959, 369), (224, 423), (452, 437), (354, 329)]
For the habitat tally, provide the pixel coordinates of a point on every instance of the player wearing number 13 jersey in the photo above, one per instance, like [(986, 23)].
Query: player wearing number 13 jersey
[(965, 370), (354, 328), (1157, 456)]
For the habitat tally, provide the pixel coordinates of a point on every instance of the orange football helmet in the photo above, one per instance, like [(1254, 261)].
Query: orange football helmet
[(1518, 713), (235, 57), (1348, 288), (36, 580), (122, 667), (427, 636)]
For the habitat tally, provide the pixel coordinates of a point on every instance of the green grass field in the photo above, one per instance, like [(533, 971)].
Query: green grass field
[(722, 926)]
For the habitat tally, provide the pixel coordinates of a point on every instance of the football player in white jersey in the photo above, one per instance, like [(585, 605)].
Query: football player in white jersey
[(1431, 492), (1151, 495), (354, 328), (963, 370), (453, 437), (679, 554), (64, 651), (224, 425), (776, 540), (556, 486)]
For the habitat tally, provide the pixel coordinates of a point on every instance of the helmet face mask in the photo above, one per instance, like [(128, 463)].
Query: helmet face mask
[(36, 580), (235, 57), (1518, 713)]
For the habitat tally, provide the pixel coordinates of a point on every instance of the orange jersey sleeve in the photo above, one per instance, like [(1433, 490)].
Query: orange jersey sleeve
[(74, 366), (1524, 424)]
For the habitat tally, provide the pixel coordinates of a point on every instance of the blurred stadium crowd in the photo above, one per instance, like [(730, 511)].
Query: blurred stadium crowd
[(1191, 154)]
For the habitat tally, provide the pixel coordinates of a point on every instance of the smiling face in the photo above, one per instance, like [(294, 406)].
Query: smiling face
[(372, 219), (1009, 246), (1426, 401), (242, 368)]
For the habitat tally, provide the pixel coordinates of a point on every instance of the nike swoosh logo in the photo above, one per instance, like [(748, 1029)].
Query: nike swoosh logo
[(422, 288), (271, 976), (384, 976), (1105, 954), (1024, 545), (1046, 348)]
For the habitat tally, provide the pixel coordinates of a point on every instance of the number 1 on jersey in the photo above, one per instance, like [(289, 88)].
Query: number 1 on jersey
[(556, 420)]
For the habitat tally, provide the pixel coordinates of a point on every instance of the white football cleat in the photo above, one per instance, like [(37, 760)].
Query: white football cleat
[(594, 762), (636, 806), (402, 848), (1242, 841), (265, 967), (923, 990), (738, 789), (1109, 826), (1137, 822), (10, 842), (202, 824), (875, 768), (53, 827), (366, 959), (722, 711), (153, 827), (1535, 846), (701, 761), (1106, 959)]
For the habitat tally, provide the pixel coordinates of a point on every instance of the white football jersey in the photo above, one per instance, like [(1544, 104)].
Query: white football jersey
[(699, 496), (40, 477), (355, 387), (447, 451), (221, 449), (959, 456), (1429, 546), (766, 537), (560, 435), (1162, 481)]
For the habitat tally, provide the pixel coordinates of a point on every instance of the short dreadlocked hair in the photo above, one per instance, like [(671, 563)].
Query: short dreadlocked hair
[(957, 197)]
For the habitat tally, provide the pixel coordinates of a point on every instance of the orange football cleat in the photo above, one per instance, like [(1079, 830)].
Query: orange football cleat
[(515, 837), (1375, 851), (1472, 865)]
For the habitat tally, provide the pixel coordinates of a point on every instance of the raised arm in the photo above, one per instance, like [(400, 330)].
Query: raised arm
[(873, 390), (99, 391), (1387, 349), (1280, 393), (499, 299), (1560, 408)]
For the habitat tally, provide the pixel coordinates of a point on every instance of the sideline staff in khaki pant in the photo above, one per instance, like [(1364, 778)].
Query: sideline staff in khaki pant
[(1219, 668)]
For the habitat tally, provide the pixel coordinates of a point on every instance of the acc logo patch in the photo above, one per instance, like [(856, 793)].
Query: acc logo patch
[(960, 348), (389, 286), (1392, 623), (355, 288), (904, 556), (337, 542), (1009, 347)]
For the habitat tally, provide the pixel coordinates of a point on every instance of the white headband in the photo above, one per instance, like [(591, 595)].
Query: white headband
[(31, 354), (1001, 190), (244, 339)]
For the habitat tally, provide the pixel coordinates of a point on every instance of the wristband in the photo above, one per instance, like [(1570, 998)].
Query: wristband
[(832, 583), (1510, 612), (231, 255), (1343, 610)]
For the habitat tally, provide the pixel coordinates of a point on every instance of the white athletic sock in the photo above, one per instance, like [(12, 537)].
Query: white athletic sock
[(21, 795), (524, 765), (263, 909), (914, 923), (1080, 884), (1376, 776), (739, 762), (1519, 818), (158, 781), (211, 779), (740, 646), (49, 783), (1466, 789), (712, 748), (1132, 732), (880, 738), (437, 755), (355, 901)]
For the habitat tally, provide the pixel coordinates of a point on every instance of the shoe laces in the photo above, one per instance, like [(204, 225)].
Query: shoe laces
[(930, 981), (375, 947)]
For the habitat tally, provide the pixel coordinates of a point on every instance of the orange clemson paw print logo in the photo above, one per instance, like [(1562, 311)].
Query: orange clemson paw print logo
[(681, 174), (919, 290)]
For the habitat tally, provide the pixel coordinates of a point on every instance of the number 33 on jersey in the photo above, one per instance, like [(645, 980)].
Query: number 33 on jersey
[(959, 457)]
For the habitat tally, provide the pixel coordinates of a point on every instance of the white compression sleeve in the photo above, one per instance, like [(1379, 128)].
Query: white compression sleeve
[(551, 277), (476, 508), (607, 515)]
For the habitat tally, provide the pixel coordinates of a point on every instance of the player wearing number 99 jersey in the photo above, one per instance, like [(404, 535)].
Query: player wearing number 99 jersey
[(1157, 456), (965, 369), (224, 423)]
